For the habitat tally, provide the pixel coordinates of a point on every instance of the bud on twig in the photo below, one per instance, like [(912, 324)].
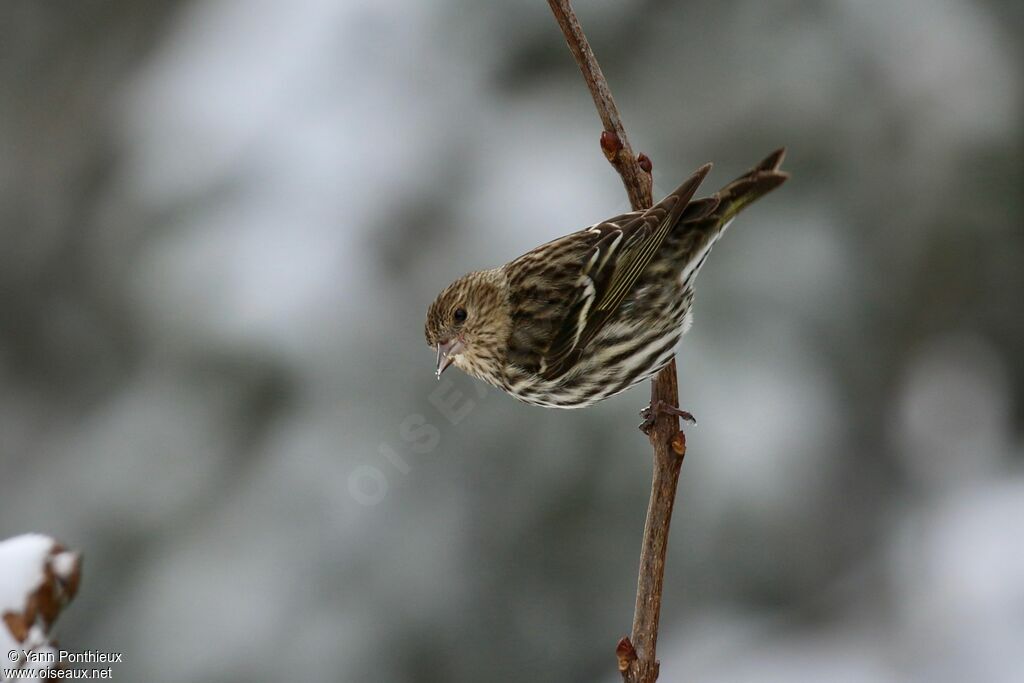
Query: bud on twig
[(626, 653), (644, 162), (610, 144)]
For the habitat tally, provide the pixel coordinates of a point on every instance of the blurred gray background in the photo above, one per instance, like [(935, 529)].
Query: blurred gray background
[(222, 221)]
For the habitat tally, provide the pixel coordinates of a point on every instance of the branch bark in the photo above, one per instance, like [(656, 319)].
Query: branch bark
[(614, 142), (637, 653)]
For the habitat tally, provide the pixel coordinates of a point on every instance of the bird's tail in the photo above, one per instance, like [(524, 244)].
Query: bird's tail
[(704, 220), (722, 207)]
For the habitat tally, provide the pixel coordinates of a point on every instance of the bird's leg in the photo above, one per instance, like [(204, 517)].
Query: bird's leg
[(651, 413)]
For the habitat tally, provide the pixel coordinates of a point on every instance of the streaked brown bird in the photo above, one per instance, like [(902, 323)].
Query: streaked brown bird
[(589, 315)]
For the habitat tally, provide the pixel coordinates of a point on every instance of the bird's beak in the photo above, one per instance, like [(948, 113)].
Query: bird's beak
[(446, 352)]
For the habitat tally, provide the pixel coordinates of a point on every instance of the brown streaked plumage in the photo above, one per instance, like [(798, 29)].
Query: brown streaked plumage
[(589, 315)]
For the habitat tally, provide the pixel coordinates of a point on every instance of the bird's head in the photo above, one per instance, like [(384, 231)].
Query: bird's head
[(469, 323)]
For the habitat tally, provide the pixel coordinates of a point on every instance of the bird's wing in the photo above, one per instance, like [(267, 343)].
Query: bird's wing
[(624, 248)]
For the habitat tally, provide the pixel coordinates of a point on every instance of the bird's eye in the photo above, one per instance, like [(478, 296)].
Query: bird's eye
[(460, 315)]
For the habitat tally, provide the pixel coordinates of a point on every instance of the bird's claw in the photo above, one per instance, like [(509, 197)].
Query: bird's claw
[(651, 413)]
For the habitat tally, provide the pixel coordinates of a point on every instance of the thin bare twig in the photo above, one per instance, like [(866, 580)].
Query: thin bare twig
[(637, 654), (614, 142)]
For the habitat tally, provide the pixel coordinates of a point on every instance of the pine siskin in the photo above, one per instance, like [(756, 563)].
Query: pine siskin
[(589, 315)]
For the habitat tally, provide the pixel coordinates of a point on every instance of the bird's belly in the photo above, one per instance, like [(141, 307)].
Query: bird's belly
[(609, 367), (633, 346)]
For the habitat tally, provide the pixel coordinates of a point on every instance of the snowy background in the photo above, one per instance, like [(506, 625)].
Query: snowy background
[(221, 222)]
